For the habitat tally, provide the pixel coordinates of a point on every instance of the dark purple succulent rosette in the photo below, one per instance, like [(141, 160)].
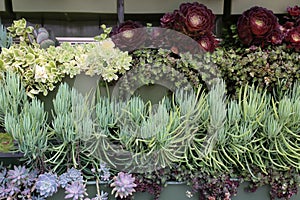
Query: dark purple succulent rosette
[(294, 11), (167, 21), (208, 42), (128, 34), (293, 38), (194, 20), (172, 21), (256, 24), (197, 18), (276, 37)]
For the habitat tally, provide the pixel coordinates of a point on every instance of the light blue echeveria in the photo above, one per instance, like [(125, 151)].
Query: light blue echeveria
[(47, 184), (72, 175), (75, 191), (75, 175), (63, 180)]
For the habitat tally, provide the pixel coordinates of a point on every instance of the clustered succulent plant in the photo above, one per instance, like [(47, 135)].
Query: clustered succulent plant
[(259, 26), (17, 182), (194, 20), (268, 68), (43, 37), (23, 183)]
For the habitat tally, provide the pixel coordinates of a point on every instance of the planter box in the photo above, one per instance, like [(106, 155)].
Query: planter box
[(277, 6), (10, 158), (79, 6), (262, 193), (174, 191), (159, 6)]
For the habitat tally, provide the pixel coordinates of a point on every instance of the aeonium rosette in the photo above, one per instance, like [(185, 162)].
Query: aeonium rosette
[(294, 11), (194, 20), (197, 18), (128, 34), (257, 26), (291, 28), (293, 38), (208, 42)]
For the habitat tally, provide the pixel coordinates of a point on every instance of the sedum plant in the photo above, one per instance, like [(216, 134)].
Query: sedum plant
[(6, 142), (265, 68)]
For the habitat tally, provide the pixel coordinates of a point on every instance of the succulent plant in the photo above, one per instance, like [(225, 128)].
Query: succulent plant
[(6, 142), (18, 175), (37, 198), (194, 20), (76, 190), (43, 38), (106, 60), (123, 185), (47, 184), (3, 173), (11, 189), (72, 175), (75, 175), (21, 31), (5, 39)]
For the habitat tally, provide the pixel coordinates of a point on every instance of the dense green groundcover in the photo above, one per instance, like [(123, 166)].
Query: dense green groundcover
[(231, 114)]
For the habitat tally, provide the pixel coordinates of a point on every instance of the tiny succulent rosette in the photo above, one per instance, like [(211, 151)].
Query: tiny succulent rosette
[(123, 185), (256, 25), (47, 184)]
